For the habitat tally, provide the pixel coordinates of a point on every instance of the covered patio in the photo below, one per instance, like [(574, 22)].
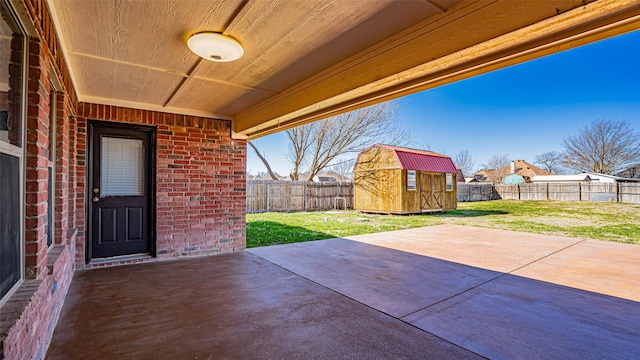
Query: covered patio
[(438, 292), (120, 145)]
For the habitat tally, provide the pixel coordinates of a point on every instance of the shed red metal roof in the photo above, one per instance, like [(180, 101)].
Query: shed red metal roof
[(412, 159)]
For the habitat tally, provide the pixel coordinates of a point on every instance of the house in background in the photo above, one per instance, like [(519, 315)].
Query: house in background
[(630, 173), (604, 178), (478, 177), (324, 176), (328, 176), (583, 178), (592, 178), (120, 145), (517, 167), (396, 180)]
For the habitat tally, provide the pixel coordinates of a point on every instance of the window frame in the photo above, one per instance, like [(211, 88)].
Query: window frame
[(51, 167), (411, 187), (19, 152), (449, 182)]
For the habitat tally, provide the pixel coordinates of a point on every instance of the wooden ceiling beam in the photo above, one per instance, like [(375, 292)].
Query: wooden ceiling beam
[(390, 70)]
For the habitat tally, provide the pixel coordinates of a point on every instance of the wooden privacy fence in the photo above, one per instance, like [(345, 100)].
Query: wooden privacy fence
[(559, 191), (629, 193), (274, 195), (573, 191), (476, 192)]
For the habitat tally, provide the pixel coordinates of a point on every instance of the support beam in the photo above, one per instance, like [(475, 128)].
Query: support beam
[(421, 57)]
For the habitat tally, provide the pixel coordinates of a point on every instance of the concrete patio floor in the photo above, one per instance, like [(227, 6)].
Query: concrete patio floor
[(441, 292)]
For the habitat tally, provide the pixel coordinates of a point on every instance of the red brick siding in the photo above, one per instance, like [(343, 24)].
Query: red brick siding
[(71, 191), (78, 153), (29, 315), (37, 161), (200, 181), (39, 12), (200, 189), (62, 169), (35, 308)]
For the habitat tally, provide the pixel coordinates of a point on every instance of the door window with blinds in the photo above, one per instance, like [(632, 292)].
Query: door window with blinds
[(121, 167)]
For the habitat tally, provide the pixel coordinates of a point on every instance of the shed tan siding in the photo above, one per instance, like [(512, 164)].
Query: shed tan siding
[(380, 185)]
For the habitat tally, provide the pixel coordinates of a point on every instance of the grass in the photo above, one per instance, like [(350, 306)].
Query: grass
[(602, 221)]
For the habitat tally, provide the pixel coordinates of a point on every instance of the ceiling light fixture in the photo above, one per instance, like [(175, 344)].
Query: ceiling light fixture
[(216, 47)]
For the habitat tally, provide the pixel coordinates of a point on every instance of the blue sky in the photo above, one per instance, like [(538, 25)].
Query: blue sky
[(521, 111)]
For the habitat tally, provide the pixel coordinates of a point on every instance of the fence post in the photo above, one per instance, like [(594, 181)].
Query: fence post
[(579, 192), (518, 187), (617, 190), (267, 192), (304, 199), (547, 191)]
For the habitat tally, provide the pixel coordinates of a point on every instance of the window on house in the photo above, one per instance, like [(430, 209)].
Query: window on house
[(411, 179), (449, 182), (11, 152)]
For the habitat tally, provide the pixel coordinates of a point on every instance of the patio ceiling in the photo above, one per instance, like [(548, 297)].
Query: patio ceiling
[(306, 60)]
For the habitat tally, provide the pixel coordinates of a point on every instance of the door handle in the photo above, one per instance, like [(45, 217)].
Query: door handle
[(96, 190), (95, 199)]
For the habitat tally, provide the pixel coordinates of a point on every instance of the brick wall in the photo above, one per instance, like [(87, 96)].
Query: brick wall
[(37, 161), (200, 188), (62, 169), (28, 317), (34, 308), (200, 181)]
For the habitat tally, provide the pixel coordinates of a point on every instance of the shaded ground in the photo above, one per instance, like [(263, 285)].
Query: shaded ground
[(602, 221), (441, 292)]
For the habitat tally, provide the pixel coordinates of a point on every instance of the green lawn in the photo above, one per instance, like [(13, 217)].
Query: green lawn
[(602, 221)]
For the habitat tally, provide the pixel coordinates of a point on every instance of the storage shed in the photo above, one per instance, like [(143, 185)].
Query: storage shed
[(396, 180)]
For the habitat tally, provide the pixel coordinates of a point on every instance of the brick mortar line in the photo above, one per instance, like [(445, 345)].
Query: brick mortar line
[(495, 278)]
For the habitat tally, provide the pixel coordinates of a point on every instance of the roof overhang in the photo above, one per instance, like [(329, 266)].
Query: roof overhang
[(312, 60)]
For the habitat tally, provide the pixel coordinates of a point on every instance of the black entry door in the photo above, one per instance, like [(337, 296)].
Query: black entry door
[(120, 189)]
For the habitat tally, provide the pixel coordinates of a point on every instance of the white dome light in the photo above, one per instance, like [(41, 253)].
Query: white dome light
[(215, 47)]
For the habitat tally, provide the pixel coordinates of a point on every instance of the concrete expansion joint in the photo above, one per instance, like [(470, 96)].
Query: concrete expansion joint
[(373, 308), (495, 278), (546, 256)]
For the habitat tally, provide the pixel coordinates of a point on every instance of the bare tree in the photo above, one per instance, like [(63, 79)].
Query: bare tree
[(465, 162), (550, 161), (264, 161), (605, 147), (316, 145), (498, 166), (344, 168), (300, 141)]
